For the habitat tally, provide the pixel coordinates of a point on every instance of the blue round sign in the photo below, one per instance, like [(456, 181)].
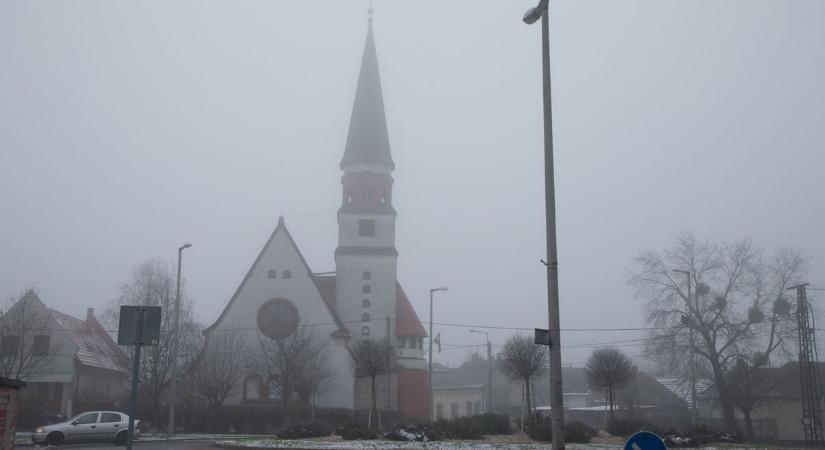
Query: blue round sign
[(644, 440)]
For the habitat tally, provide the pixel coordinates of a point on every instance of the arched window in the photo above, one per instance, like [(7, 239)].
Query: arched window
[(365, 317), (287, 274), (365, 331), (366, 289), (272, 274), (365, 303), (366, 275)]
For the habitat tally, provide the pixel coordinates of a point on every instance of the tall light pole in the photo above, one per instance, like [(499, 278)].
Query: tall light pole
[(430, 355), (173, 389), (695, 415), (556, 397), (489, 408)]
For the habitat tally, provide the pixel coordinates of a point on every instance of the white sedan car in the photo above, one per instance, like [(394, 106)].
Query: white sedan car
[(93, 426)]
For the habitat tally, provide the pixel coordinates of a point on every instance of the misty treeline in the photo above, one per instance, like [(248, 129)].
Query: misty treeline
[(719, 311)]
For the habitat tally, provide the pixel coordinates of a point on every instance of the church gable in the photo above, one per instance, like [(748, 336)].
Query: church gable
[(279, 276)]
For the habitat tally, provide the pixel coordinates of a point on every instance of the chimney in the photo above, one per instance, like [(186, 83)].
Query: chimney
[(90, 318)]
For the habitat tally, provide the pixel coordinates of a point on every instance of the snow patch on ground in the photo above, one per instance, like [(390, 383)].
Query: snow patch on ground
[(393, 445)]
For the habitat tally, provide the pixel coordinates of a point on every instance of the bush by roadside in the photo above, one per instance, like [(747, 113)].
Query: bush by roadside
[(304, 430), (574, 432)]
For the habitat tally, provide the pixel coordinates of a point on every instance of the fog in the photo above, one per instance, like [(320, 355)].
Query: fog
[(128, 128)]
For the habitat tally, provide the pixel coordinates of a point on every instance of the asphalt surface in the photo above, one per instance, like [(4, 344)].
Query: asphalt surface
[(157, 445)]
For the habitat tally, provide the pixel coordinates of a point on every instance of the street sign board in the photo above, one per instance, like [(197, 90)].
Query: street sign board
[(129, 331), (542, 337), (644, 440)]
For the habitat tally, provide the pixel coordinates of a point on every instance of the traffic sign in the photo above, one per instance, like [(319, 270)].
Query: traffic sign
[(644, 440)]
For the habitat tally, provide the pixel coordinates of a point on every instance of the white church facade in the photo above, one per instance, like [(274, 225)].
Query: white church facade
[(355, 301)]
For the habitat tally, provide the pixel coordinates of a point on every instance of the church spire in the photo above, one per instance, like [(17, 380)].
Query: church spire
[(368, 140)]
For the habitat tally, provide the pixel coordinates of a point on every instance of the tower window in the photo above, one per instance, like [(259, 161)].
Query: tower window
[(365, 331), (287, 274), (366, 289), (272, 274), (366, 227), (365, 303), (365, 317), (366, 276)]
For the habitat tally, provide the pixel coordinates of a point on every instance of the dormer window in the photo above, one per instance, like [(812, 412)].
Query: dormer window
[(272, 274), (366, 275), (287, 274), (366, 289)]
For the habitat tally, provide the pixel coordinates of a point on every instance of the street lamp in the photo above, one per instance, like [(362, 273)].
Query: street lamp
[(556, 398), (689, 277), (489, 370), (173, 389), (430, 355)]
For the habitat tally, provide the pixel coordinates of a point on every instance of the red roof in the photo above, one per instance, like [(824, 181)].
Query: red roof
[(406, 320)]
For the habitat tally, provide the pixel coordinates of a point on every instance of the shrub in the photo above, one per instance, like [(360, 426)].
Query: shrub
[(459, 428), (574, 432), (625, 427), (354, 432), (492, 423), (304, 430)]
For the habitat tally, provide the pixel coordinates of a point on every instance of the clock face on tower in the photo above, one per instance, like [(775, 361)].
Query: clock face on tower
[(277, 318)]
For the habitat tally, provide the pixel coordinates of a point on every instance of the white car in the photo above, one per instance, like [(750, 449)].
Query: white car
[(92, 426)]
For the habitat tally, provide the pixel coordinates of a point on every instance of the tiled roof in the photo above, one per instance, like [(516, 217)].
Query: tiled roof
[(95, 347), (407, 321)]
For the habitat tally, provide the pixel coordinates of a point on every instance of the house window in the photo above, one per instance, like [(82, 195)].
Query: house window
[(272, 274), (10, 345), (401, 341), (365, 303), (421, 342), (439, 411), (41, 345), (453, 409), (366, 275), (469, 408), (366, 289), (413, 340), (366, 227), (252, 388), (365, 331), (477, 407), (365, 317)]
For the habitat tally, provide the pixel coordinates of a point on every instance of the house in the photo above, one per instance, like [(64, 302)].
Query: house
[(361, 299), (69, 364)]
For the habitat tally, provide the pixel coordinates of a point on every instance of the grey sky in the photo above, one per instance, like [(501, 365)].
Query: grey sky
[(127, 128)]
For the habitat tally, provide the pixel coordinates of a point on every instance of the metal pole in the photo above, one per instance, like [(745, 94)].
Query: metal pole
[(173, 388), (556, 397), (489, 376), (430, 365), (135, 374), (387, 403)]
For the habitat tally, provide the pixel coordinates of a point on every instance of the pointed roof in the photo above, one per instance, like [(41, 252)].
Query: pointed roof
[(368, 139)]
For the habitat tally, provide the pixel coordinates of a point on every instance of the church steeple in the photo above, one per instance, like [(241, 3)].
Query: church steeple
[(368, 140)]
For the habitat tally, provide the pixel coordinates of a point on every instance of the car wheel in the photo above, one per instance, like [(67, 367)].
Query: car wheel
[(54, 439), (120, 439)]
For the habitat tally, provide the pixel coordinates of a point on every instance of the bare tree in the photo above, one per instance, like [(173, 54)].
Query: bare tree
[(282, 361), (26, 347), (315, 375), (735, 310), (152, 283), (215, 371), (520, 360), (609, 369), (750, 382), (371, 358)]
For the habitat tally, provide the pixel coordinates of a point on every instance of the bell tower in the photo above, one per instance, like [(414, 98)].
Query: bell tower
[(365, 259)]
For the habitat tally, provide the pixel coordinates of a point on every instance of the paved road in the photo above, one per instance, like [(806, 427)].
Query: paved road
[(159, 445)]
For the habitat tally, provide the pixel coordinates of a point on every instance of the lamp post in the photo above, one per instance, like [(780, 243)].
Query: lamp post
[(532, 15), (430, 356), (695, 415), (173, 389), (489, 408)]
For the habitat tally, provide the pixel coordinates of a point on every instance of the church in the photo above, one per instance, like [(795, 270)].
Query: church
[(362, 299)]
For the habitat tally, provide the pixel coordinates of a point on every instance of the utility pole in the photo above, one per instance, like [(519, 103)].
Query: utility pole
[(387, 403), (692, 375), (430, 360), (542, 11), (808, 368), (173, 388)]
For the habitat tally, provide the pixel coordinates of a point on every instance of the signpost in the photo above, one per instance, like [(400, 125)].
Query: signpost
[(542, 337), (138, 326), (644, 440)]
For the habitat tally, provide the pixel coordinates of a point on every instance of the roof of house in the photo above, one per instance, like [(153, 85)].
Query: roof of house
[(681, 388), (782, 381), (95, 346)]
